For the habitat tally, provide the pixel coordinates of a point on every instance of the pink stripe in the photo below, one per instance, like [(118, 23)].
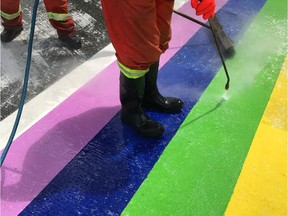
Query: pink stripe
[(37, 156)]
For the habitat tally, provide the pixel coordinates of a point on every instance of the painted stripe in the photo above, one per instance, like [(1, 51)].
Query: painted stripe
[(103, 177), (262, 186), (46, 101), (54, 140), (198, 170)]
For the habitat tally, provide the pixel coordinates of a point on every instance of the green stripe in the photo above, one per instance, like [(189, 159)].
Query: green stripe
[(198, 170)]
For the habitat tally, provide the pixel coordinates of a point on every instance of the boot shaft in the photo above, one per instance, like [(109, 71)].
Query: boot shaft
[(151, 79), (152, 96), (131, 92), (131, 96)]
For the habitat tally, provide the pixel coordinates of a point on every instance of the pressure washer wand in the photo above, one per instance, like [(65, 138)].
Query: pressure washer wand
[(215, 39), (220, 54)]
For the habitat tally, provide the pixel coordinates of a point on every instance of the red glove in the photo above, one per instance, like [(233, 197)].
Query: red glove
[(204, 7)]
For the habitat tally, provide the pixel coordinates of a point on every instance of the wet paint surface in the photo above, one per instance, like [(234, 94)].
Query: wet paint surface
[(104, 176)]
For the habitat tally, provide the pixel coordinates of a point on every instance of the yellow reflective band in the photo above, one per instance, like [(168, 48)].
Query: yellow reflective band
[(57, 16), (132, 73), (11, 16)]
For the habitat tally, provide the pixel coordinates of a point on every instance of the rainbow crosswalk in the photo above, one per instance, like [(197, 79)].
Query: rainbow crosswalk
[(226, 153)]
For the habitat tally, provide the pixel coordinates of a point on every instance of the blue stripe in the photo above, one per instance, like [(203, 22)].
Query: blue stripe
[(104, 176)]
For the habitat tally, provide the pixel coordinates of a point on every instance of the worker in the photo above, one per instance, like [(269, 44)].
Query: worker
[(140, 32), (58, 16)]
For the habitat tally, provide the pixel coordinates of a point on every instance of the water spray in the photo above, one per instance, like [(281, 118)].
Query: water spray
[(225, 95)]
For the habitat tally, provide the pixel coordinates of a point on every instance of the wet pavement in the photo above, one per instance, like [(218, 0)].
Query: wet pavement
[(50, 60)]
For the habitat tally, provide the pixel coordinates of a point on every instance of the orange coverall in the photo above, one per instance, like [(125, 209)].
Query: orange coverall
[(139, 31), (57, 11)]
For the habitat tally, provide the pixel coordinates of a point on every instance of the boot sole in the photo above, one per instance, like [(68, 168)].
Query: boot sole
[(156, 132), (151, 134), (162, 110)]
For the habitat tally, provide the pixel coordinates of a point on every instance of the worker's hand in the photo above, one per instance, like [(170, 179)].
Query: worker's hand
[(194, 3), (204, 7)]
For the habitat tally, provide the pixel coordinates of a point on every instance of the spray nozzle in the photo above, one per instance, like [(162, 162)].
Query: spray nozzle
[(227, 86)]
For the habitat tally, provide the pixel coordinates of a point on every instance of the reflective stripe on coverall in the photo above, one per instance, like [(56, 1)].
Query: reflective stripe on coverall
[(140, 31), (57, 11)]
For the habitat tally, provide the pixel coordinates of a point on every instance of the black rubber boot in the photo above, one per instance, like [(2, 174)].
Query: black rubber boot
[(10, 34), (153, 98), (131, 96), (72, 42)]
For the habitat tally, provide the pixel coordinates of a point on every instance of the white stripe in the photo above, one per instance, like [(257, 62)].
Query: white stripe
[(46, 101)]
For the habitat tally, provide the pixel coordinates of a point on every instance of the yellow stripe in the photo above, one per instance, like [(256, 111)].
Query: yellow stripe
[(262, 185)]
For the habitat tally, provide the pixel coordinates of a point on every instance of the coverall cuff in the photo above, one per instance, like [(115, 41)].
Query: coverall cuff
[(131, 73)]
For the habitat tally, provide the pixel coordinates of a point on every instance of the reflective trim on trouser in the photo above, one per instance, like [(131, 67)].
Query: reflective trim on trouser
[(132, 73), (11, 13), (139, 30), (57, 16), (11, 16), (57, 10)]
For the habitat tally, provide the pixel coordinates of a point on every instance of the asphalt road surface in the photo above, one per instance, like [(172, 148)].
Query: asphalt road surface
[(50, 60)]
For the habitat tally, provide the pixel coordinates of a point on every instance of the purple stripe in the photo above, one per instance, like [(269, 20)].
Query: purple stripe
[(42, 151)]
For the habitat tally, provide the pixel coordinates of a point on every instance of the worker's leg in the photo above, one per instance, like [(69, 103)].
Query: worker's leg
[(152, 96), (11, 13), (164, 15), (132, 27), (11, 16), (58, 15)]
